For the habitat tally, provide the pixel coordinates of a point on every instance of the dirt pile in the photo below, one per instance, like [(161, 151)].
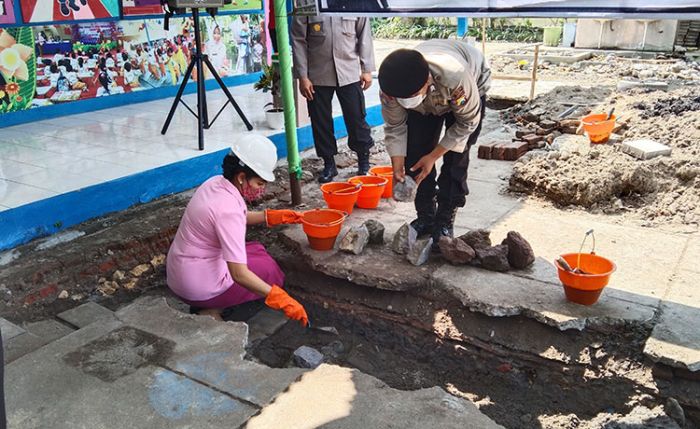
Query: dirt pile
[(602, 178), (601, 68)]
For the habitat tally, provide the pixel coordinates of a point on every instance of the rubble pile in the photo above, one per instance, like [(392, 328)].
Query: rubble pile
[(603, 178), (608, 67)]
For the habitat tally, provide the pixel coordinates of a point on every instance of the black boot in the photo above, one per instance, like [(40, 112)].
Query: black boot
[(72, 5), (425, 223), (329, 171), (444, 223), (362, 164)]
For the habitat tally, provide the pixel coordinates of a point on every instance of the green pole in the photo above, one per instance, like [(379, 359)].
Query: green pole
[(290, 120)]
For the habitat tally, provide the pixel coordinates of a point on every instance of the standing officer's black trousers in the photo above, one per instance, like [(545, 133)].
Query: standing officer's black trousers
[(352, 102), (423, 135)]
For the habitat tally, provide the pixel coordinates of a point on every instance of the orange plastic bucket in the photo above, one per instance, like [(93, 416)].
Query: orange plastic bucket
[(598, 127), (340, 195), (585, 288), (322, 227), (386, 172), (371, 192)]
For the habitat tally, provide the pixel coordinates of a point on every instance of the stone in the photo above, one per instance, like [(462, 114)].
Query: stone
[(494, 258), (674, 410), (645, 149), (139, 270), (400, 243), (625, 85), (86, 314), (307, 357), (355, 240), (477, 239), (548, 124), (158, 260), (329, 329), (420, 251), (63, 295), (376, 231), (334, 397), (9, 330), (405, 191), (456, 251), (108, 288), (520, 253)]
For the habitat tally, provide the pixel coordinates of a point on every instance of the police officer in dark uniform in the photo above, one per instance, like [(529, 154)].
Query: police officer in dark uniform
[(334, 55), (439, 83)]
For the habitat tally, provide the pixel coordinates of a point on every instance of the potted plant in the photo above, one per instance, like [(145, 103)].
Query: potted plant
[(269, 82)]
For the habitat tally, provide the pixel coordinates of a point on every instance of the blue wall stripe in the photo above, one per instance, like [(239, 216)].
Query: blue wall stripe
[(25, 223), (99, 103)]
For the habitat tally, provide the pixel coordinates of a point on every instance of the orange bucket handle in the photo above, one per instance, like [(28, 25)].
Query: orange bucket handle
[(335, 222), (592, 234), (349, 189)]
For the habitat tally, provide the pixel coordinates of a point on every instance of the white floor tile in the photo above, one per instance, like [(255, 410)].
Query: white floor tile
[(56, 180), (16, 194), (113, 172), (14, 152), (11, 169), (56, 160)]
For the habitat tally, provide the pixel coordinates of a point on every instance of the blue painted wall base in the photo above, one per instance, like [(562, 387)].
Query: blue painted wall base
[(23, 224)]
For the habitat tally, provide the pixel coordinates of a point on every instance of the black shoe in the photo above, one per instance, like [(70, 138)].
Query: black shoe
[(423, 225), (444, 224), (328, 173), (64, 9), (362, 164), (83, 2), (73, 6)]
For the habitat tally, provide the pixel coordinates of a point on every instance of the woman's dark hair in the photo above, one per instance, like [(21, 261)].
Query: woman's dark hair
[(81, 61), (232, 166), (125, 56), (69, 68), (127, 66), (53, 68)]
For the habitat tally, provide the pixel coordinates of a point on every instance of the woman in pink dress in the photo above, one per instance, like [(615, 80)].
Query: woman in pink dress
[(210, 266)]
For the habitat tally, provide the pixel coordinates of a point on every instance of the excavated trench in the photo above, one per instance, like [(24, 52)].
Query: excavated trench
[(524, 375)]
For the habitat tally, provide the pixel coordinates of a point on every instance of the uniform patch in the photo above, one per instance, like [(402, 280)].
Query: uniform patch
[(458, 97)]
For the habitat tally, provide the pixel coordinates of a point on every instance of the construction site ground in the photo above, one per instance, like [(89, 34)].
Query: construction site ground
[(93, 336)]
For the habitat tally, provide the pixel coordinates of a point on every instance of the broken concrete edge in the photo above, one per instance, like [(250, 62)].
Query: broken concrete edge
[(653, 344)]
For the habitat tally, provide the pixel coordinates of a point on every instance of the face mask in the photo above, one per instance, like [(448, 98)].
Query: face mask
[(411, 103), (251, 194)]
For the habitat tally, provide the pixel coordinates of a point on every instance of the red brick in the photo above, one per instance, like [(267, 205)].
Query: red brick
[(485, 150), (107, 266), (533, 139)]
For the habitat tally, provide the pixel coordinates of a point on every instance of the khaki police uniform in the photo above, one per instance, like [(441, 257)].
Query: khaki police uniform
[(460, 79), (332, 52)]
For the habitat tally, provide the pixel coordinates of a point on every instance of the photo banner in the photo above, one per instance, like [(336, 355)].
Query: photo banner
[(669, 9)]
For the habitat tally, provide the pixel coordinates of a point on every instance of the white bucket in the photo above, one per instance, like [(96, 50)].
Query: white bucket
[(275, 118)]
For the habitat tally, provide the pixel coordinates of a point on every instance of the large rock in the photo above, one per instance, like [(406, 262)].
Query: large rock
[(520, 253), (405, 191), (419, 252), (376, 231), (456, 251), (477, 239), (494, 258), (402, 239), (355, 240)]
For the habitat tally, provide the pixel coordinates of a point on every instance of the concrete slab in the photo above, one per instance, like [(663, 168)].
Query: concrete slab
[(9, 330), (265, 323), (675, 340), (208, 351), (498, 295), (485, 205), (20, 345), (645, 148), (626, 246), (49, 330), (342, 398), (369, 268), (554, 56), (86, 314)]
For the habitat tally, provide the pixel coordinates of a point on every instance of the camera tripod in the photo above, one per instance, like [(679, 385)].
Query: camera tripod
[(201, 60)]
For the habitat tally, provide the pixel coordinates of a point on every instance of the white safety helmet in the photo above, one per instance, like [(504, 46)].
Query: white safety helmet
[(258, 153)]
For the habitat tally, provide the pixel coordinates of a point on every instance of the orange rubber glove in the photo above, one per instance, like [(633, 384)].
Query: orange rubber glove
[(279, 300), (282, 217)]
